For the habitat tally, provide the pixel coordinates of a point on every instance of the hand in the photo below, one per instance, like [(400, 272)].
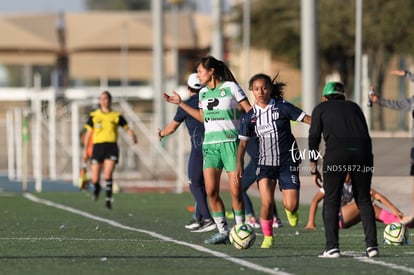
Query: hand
[(317, 178), (238, 174), (134, 139), (398, 72), (237, 179), (174, 98), (372, 95), (85, 157), (399, 214), (159, 134)]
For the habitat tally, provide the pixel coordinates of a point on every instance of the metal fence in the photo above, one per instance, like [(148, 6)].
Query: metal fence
[(54, 148)]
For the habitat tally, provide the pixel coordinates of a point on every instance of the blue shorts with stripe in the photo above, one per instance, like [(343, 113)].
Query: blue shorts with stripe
[(286, 175)]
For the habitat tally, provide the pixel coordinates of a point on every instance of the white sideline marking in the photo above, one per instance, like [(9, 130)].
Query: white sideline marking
[(71, 239), (223, 256), (377, 262), (389, 265)]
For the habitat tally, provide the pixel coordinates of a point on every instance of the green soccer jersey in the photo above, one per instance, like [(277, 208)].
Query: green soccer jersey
[(221, 112)]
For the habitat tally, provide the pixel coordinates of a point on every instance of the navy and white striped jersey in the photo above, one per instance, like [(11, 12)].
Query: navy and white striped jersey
[(272, 126)]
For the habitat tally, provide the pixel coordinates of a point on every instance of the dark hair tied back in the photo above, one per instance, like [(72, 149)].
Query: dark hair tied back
[(221, 70), (277, 87)]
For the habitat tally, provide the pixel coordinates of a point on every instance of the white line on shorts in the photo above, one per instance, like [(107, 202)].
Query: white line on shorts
[(224, 256)]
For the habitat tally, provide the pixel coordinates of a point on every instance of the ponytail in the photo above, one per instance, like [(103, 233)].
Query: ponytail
[(221, 71)]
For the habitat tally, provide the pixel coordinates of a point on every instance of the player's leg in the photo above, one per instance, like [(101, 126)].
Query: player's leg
[(109, 167), (361, 188), (350, 215), (385, 216), (249, 177), (212, 169), (267, 185), (228, 152), (277, 222), (97, 159), (96, 169), (333, 184), (212, 183), (267, 189), (197, 188), (412, 174), (236, 197), (289, 184), (111, 159), (313, 209)]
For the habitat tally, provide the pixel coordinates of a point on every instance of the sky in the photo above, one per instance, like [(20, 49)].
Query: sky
[(35, 6), (13, 6)]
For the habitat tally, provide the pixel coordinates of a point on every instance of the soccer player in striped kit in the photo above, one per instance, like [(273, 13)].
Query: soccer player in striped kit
[(219, 111), (270, 120)]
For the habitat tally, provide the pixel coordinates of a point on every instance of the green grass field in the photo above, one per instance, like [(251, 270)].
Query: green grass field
[(66, 233)]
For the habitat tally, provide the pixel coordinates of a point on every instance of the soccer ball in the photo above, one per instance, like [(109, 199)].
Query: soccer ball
[(395, 234), (242, 236)]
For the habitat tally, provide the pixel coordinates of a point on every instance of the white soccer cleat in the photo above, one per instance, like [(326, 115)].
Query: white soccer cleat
[(331, 253)]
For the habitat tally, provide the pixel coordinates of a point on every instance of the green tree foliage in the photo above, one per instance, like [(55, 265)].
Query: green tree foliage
[(275, 25), (118, 4)]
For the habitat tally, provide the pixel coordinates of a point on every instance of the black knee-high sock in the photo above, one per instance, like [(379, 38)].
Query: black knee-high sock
[(96, 188), (108, 188)]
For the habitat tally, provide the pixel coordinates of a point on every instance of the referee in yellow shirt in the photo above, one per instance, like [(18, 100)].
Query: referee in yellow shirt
[(103, 125)]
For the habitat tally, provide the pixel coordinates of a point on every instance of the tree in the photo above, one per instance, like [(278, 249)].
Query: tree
[(118, 4), (275, 26)]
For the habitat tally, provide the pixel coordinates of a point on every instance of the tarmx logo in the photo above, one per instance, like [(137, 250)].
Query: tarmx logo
[(298, 155)]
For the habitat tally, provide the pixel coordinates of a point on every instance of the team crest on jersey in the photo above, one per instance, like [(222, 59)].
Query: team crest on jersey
[(275, 113), (222, 92)]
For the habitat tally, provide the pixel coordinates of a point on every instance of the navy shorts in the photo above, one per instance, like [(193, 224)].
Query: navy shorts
[(287, 175), (103, 151)]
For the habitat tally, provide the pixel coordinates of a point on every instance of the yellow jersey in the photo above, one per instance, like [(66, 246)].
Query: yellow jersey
[(105, 125)]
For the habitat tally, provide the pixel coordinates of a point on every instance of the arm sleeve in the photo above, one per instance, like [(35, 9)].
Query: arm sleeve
[(404, 104), (122, 122), (89, 123), (315, 132), (294, 112), (409, 75), (180, 115), (238, 92), (246, 128)]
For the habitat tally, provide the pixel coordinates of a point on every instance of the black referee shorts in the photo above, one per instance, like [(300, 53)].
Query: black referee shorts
[(103, 151)]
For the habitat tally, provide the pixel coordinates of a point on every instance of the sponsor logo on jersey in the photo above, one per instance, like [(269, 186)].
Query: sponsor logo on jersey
[(212, 102), (264, 129)]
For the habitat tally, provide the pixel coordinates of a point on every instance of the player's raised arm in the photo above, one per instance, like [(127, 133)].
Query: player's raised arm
[(176, 99)]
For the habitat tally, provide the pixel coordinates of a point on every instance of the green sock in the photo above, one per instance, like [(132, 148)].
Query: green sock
[(239, 216)]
